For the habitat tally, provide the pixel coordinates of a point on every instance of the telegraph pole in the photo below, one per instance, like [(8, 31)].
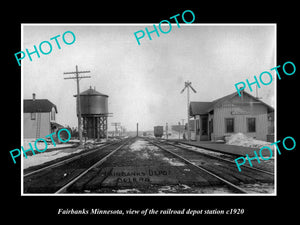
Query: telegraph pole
[(77, 77), (116, 127), (179, 130), (167, 130), (183, 128), (187, 85)]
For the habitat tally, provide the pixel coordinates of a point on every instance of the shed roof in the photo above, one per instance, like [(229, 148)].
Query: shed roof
[(55, 124), (38, 105), (200, 108)]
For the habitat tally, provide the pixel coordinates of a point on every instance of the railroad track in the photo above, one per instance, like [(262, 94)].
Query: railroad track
[(210, 154), (219, 168), (57, 177), (146, 168), (55, 163)]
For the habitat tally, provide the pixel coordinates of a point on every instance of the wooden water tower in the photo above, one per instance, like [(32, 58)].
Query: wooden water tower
[(94, 113)]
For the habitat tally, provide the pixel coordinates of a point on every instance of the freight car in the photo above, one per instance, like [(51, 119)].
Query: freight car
[(158, 131)]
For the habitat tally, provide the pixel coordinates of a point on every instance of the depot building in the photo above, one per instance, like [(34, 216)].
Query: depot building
[(212, 121)]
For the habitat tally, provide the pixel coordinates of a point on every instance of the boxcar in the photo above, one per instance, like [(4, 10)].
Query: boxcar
[(158, 131)]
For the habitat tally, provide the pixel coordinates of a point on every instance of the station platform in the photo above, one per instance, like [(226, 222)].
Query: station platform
[(221, 147)]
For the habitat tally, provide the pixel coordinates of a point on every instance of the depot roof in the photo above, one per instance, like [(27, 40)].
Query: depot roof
[(200, 108)]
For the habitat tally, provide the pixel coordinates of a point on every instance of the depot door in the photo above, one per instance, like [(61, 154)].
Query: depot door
[(210, 129)]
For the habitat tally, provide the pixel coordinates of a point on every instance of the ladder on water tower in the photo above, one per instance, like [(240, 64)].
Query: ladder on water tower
[(38, 125)]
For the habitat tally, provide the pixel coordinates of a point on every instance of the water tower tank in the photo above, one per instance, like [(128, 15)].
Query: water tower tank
[(93, 102), (94, 113)]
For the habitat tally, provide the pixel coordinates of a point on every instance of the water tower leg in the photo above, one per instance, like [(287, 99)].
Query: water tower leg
[(98, 128), (94, 128), (106, 130)]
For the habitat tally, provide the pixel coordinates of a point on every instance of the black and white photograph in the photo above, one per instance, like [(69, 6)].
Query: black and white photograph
[(137, 112), (132, 109)]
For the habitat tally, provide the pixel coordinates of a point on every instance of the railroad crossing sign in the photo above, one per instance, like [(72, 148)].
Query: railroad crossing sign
[(187, 85)]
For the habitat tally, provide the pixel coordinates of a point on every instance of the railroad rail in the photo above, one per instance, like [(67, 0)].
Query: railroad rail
[(216, 157), (177, 151), (64, 160), (57, 177), (63, 189), (132, 163)]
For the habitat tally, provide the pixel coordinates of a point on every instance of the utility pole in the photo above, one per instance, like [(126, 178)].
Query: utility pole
[(137, 129), (116, 127), (77, 77), (187, 85), (183, 129), (167, 130), (179, 130)]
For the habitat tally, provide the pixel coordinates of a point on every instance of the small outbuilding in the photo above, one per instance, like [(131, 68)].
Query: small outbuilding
[(232, 114), (39, 118)]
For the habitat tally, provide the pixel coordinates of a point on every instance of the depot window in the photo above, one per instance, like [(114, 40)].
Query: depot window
[(251, 125), (229, 125)]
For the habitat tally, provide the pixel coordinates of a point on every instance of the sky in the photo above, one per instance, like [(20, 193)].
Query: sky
[(144, 81)]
